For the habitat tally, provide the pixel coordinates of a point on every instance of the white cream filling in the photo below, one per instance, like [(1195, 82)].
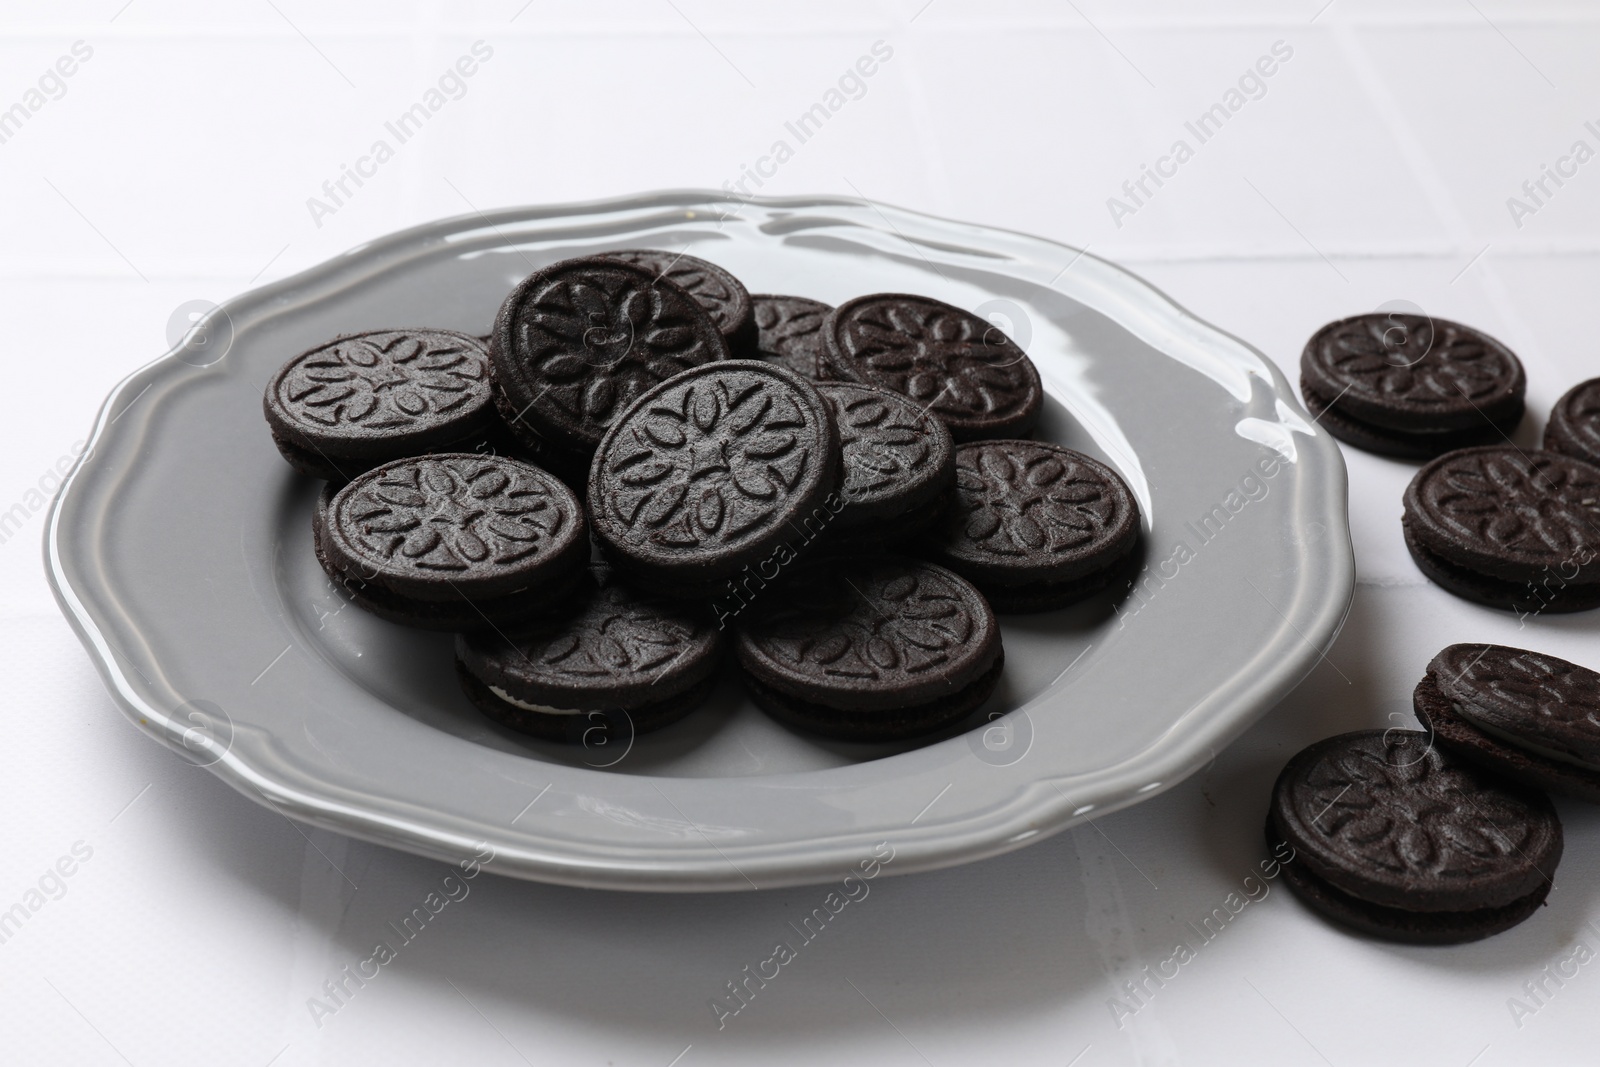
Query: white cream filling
[(1469, 713), (542, 709)]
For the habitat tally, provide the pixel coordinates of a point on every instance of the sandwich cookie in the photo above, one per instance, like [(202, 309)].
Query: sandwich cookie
[(580, 340), (1399, 840), (1511, 529), (899, 465), (1409, 386), (713, 471), (454, 542), (961, 367), (363, 399), (789, 332), (1574, 426), (1035, 526), (616, 663), (871, 649), (722, 295), (1523, 714)]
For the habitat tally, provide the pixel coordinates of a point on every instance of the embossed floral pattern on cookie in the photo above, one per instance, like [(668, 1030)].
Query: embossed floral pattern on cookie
[(713, 288), (888, 443), (616, 636), (1524, 693), (789, 332), (1393, 835), (1511, 507), (466, 518), (951, 362), (1410, 356), (1574, 426), (581, 340), (882, 624), (384, 381), (1019, 500), (714, 460), (1408, 811), (1413, 373)]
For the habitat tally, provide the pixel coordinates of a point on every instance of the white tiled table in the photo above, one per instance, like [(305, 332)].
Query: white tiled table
[(176, 164)]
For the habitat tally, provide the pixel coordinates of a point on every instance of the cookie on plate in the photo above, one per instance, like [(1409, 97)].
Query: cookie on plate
[(1507, 528), (580, 340), (725, 467), (1574, 426), (951, 362), (1526, 715), (1410, 386), (454, 541), (899, 465), (722, 295), (1399, 840), (1036, 526), (363, 399), (614, 656), (871, 649), (789, 332)]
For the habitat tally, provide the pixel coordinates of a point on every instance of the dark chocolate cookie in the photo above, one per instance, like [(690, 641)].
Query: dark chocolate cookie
[(1511, 529), (453, 542), (959, 366), (789, 332), (871, 649), (1034, 525), (899, 464), (615, 654), (580, 340), (722, 295), (1396, 924), (711, 472), (1574, 426), (1413, 375), (366, 398), (1405, 842), (1523, 714), (1383, 441)]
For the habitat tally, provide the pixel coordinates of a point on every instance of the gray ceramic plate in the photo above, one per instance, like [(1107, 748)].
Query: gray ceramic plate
[(180, 551)]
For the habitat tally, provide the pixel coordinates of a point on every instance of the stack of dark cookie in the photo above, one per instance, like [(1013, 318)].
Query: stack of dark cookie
[(642, 459), (1511, 528), (1447, 835)]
